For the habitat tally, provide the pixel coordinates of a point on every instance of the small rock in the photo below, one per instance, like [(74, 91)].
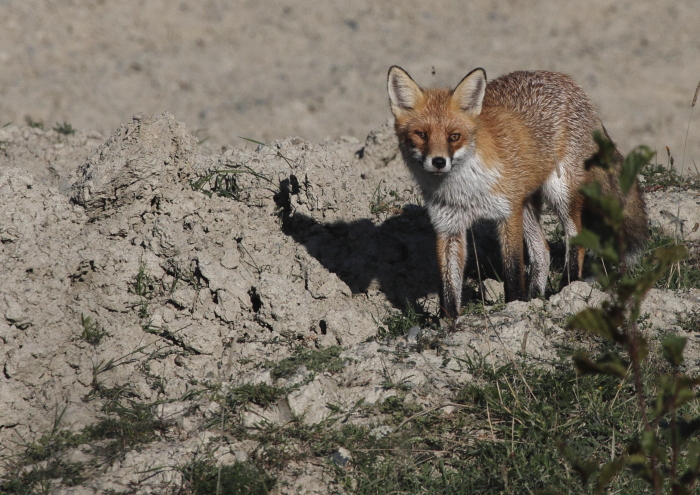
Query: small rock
[(413, 333), (341, 457), (493, 290)]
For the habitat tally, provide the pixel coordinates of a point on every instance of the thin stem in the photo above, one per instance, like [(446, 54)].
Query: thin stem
[(633, 349), (675, 448)]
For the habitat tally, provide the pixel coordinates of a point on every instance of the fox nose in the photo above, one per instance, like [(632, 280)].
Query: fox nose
[(439, 162)]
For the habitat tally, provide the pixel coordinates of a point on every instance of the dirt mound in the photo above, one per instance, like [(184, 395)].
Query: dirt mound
[(163, 276)]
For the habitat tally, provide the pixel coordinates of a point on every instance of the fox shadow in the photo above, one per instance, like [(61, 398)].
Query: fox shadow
[(397, 256)]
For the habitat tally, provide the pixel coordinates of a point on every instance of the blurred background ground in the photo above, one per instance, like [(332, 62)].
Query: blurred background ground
[(268, 69)]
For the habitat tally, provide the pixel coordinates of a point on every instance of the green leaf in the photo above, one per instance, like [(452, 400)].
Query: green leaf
[(693, 460), (610, 364), (637, 460), (606, 156), (663, 396), (632, 165), (584, 467), (589, 240), (684, 395), (651, 446), (670, 254), (603, 322), (649, 442), (642, 348), (687, 429), (664, 258), (610, 253), (673, 346), (609, 471)]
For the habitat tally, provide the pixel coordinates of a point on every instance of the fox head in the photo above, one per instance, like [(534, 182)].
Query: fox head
[(435, 126)]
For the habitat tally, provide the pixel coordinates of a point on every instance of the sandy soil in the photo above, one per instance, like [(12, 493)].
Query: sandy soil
[(200, 281), (268, 69), (296, 253)]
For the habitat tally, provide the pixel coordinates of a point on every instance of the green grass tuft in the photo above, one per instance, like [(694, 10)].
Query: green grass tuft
[(92, 333), (241, 478), (260, 394), (326, 359), (66, 129)]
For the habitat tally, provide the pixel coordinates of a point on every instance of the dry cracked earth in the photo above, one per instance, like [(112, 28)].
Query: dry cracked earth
[(141, 268)]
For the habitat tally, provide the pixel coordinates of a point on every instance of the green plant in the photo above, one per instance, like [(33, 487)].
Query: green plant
[(35, 469), (683, 274), (241, 478), (397, 325), (690, 322), (260, 394), (662, 454), (326, 359), (384, 201), (125, 423), (66, 129), (37, 124), (225, 183), (144, 287), (278, 153), (92, 333)]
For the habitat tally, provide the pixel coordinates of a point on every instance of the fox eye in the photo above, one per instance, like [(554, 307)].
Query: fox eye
[(421, 134), (454, 137)]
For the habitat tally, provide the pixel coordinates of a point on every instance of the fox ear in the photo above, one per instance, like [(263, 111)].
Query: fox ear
[(469, 93), (404, 93)]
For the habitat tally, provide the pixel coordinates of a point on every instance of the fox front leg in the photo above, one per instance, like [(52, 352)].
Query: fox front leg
[(451, 256)]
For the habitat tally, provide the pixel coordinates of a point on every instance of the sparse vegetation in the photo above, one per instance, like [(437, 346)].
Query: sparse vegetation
[(144, 287), (326, 359), (501, 434), (37, 124), (385, 201), (241, 478), (260, 394), (658, 177), (224, 183), (125, 423), (433, 415), (684, 273), (690, 322), (66, 129), (397, 325), (661, 452), (92, 333)]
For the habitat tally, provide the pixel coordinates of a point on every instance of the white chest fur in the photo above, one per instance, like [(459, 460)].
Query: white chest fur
[(463, 195)]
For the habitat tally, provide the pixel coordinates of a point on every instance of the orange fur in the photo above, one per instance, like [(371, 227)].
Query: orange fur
[(494, 151)]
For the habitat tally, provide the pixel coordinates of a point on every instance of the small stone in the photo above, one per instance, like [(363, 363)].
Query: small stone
[(341, 457), (493, 290), (413, 333)]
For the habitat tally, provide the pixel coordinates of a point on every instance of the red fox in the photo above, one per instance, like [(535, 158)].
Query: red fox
[(495, 151)]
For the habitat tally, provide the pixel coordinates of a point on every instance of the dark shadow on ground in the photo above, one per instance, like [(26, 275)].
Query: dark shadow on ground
[(396, 256)]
